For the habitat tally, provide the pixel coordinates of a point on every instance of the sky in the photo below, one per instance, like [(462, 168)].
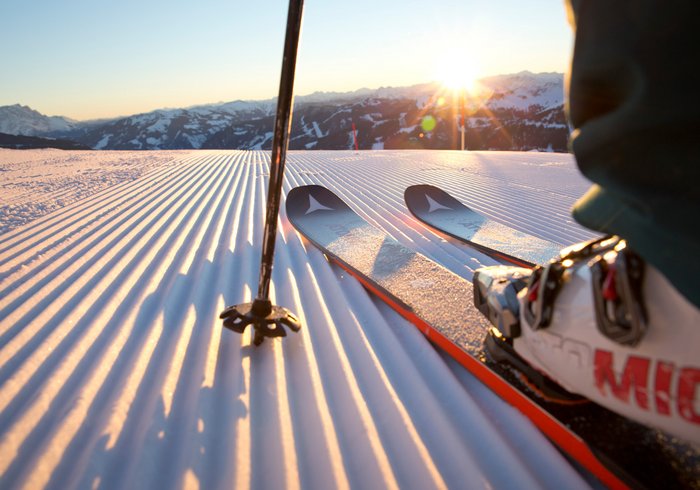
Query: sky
[(88, 59)]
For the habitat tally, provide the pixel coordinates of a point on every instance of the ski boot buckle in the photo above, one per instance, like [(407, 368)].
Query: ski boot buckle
[(617, 294), (496, 297)]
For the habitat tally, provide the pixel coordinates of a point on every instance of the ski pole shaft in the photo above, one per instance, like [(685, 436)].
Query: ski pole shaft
[(280, 140)]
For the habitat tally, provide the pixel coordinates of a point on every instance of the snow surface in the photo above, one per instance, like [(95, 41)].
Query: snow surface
[(115, 371), (317, 129), (103, 142), (34, 183)]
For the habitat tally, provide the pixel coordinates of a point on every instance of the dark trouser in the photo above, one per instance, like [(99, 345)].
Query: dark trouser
[(634, 103)]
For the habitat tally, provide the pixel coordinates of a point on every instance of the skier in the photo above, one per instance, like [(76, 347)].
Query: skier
[(617, 320)]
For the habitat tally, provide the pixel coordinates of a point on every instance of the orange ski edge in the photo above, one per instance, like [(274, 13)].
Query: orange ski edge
[(570, 443)]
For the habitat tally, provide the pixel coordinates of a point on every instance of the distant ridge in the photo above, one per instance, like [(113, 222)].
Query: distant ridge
[(522, 111), (23, 120)]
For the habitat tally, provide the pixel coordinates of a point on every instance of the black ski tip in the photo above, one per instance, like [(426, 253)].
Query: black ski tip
[(415, 197), (306, 198), (304, 190), (421, 199)]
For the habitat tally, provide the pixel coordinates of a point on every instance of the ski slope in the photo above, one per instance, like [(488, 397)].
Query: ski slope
[(115, 371), (34, 183)]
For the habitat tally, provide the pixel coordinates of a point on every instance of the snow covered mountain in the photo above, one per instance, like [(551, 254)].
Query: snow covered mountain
[(525, 90), (169, 129), (523, 111), (22, 120)]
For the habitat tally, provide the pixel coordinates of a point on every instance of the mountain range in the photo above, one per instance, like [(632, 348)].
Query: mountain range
[(522, 111)]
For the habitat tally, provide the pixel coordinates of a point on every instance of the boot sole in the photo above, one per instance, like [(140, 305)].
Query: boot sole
[(501, 350)]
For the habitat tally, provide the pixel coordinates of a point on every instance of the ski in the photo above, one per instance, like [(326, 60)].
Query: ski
[(441, 211), (617, 451)]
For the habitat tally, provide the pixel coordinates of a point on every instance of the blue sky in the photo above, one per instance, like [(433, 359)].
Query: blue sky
[(99, 58)]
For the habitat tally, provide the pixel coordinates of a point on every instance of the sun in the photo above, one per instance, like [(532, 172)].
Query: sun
[(458, 72)]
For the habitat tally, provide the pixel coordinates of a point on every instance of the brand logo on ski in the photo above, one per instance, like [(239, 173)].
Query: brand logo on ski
[(434, 205), (314, 205)]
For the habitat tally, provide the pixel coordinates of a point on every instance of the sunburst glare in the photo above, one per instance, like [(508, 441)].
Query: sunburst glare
[(458, 71)]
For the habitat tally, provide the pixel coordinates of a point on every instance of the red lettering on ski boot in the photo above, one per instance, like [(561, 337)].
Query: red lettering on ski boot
[(635, 375), (687, 385), (662, 387)]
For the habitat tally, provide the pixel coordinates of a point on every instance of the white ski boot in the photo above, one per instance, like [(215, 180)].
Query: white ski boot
[(602, 324)]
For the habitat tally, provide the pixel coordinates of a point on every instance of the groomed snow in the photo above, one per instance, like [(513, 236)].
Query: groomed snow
[(34, 183), (115, 371)]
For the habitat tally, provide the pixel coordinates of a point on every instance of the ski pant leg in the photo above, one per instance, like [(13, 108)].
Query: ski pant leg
[(634, 104)]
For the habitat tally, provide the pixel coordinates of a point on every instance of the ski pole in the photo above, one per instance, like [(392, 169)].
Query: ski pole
[(267, 319)]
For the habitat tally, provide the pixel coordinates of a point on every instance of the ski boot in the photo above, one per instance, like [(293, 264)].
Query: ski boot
[(600, 323)]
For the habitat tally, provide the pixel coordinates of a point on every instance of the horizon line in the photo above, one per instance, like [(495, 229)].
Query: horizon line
[(271, 99)]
